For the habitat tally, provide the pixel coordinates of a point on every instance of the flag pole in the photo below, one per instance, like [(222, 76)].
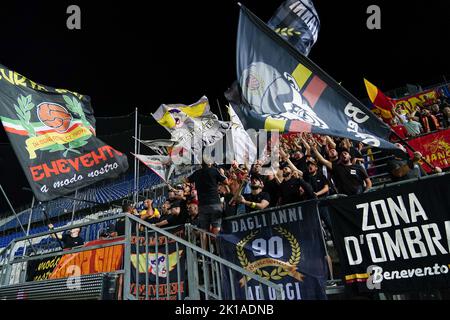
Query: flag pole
[(73, 207), (17, 218), (29, 225), (135, 152), (412, 149), (138, 164), (48, 222)]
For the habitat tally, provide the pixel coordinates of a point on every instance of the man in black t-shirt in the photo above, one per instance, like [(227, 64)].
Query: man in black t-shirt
[(257, 199), (316, 179), (272, 187), (206, 181), (350, 179), (175, 217), (70, 239), (294, 190)]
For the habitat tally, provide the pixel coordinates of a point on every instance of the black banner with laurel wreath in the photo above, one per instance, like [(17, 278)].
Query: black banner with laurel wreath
[(52, 132), (283, 245)]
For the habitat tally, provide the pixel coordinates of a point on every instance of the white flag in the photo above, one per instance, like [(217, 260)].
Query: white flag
[(161, 165), (245, 151)]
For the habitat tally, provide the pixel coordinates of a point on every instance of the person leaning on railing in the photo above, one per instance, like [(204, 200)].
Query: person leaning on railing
[(405, 169), (70, 239)]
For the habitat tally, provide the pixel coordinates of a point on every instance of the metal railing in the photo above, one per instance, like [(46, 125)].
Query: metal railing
[(207, 240), (207, 284), (200, 265)]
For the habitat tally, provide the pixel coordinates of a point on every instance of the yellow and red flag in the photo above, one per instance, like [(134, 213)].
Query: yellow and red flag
[(380, 101)]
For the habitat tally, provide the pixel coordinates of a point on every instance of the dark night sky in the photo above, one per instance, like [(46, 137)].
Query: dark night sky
[(137, 54)]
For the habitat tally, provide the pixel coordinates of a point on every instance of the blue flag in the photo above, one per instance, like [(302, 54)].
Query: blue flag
[(297, 21), (283, 245)]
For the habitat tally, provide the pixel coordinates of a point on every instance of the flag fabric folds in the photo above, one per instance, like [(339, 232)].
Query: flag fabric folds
[(280, 89), (52, 132), (297, 22), (243, 146), (193, 126), (161, 165), (383, 103)]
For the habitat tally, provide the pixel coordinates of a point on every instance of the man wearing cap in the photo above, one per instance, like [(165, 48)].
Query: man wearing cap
[(350, 179), (316, 179), (406, 169), (257, 199), (210, 209)]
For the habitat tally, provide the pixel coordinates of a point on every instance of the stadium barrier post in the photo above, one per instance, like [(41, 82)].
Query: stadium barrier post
[(412, 149), (135, 159), (127, 260), (73, 207), (17, 218)]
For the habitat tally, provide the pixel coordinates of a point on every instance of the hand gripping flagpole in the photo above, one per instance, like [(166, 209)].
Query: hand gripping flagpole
[(17, 218), (412, 149), (44, 211)]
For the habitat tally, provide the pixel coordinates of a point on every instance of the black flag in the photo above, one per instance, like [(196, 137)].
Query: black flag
[(281, 89), (52, 132), (297, 21)]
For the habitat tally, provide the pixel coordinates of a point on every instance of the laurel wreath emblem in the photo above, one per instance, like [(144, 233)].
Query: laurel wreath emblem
[(287, 32), (23, 111), (277, 273)]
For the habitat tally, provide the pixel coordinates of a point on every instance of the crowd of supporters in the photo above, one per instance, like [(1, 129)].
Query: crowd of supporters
[(426, 117), (310, 167)]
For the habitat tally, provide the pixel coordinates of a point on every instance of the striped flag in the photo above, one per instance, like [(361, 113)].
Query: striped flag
[(383, 103)]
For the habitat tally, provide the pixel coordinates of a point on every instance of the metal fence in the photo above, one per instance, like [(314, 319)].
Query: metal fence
[(204, 270)]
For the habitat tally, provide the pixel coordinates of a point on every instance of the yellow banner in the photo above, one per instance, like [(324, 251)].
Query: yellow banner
[(48, 139), (269, 262)]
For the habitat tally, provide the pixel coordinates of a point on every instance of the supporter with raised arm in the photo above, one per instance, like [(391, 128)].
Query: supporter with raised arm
[(405, 169), (349, 178), (69, 239), (413, 127), (290, 188), (175, 218), (206, 181), (257, 199)]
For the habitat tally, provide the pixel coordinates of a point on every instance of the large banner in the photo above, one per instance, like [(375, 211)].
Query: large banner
[(396, 239), (281, 245), (410, 103), (52, 132), (435, 148), (280, 89), (108, 259), (163, 266)]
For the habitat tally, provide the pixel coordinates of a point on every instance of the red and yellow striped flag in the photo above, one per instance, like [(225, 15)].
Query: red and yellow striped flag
[(383, 103)]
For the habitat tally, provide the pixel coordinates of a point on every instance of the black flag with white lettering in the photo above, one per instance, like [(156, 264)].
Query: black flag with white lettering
[(281, 89), (396, 239)]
